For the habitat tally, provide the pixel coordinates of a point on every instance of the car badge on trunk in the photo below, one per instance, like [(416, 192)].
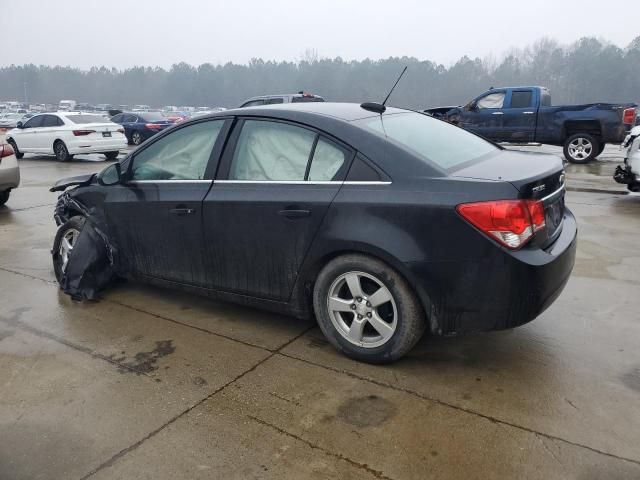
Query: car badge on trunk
[(539, 188)]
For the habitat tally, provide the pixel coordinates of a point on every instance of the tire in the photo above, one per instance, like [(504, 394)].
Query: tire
[(136, 138), (16, 152), (581, 148), (4, 197), (601, 149), (74, 223), (402, 312), (111, 155), (61, 152)]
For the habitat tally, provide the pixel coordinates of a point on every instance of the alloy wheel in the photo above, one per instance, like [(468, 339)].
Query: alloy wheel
[(362, 309), (580, 149), (67, 243)]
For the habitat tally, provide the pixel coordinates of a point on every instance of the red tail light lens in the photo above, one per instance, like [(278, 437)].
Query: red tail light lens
[(629, 116), (153, 126), (5, 150), (82, 133), (511, 222)]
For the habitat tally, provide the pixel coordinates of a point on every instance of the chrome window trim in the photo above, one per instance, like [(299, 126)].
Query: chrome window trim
[(169, 181), (301, 182)]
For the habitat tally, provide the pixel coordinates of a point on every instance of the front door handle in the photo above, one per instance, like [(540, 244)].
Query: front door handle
[(291, 213), (182, 211)]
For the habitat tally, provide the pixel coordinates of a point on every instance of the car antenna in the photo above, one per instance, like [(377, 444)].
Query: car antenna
[(380, 107)]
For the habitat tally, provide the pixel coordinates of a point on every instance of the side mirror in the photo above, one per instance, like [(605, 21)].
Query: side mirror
[(111, 175), (19, 125)]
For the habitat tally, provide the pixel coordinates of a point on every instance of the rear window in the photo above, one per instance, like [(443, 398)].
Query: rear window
[(152, 116), (86, 119), (306, 99), (432, 140)]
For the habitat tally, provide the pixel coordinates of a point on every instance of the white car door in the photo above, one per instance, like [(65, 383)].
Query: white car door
[(25, 137)]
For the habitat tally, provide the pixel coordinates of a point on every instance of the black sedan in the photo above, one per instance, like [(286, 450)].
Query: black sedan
[(140, 126), (383, 225)]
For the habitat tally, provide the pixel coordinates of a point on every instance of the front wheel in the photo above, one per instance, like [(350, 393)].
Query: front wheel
[(581, 148), (63, 244), (61, 152), (366, 309), (111, 155)]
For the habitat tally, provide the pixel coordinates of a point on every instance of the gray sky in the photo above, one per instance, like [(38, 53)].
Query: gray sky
[(120, 33)]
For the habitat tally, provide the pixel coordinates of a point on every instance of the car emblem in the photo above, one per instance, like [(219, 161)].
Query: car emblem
[(539, 188)]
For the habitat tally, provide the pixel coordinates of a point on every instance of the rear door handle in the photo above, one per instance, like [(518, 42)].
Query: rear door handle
[(497, 113), (527, 113), (182, 211), (291, 213)]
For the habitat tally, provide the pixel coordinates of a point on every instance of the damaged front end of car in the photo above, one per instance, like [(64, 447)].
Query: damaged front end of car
[(85, 260)]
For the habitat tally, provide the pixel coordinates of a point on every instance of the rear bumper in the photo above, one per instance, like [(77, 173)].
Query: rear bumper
[(102, 145), (498, 292)]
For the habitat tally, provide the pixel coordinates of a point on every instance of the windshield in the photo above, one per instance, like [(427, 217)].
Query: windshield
[(87, 119), (433, 140)]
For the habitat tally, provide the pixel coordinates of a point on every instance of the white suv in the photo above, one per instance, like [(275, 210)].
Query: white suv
[(67, 134)]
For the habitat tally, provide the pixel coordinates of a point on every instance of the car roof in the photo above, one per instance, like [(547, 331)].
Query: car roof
[(343, 111)]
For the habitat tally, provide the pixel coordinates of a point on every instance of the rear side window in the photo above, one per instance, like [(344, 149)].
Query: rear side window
[(272, 101), (521, 99), (253, 103), (271, 151), (430, 139), (50, 121), (153, 117), (545, 99), (117, 118), (303, 99), (327, 161)]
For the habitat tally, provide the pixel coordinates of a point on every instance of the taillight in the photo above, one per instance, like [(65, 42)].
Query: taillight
[(153, 126), (5, 150), (82, 133), (629, 116), (511, 222)]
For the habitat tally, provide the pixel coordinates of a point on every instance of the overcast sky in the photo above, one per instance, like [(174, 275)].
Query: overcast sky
[(123, 33)]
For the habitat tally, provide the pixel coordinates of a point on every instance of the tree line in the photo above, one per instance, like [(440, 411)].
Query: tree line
[(589, 70)]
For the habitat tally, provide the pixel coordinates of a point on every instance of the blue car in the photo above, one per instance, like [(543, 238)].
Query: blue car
[(139, 126)]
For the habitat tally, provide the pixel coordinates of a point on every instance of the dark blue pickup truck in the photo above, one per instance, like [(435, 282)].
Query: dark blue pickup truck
[(525, 115)]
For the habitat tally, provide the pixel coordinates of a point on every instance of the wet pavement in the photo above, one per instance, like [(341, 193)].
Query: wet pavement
[(150, 383)]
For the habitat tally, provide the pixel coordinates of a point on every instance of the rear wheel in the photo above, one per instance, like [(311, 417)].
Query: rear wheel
[(61, 152), (16, 152), (63, 244), (136, 138), (111, 155), (601, 149), (581, 148), (366, 309), (4, 196)]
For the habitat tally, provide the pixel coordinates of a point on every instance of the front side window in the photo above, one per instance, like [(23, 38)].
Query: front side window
[(34, 122), (430, 139), (271, 151), (180, 155), (493, 100)]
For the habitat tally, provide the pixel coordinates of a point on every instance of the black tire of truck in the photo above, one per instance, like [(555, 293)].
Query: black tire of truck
[(581, 148), (601, 149)]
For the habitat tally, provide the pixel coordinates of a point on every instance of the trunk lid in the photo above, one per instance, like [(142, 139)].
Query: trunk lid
[(536, 176)]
